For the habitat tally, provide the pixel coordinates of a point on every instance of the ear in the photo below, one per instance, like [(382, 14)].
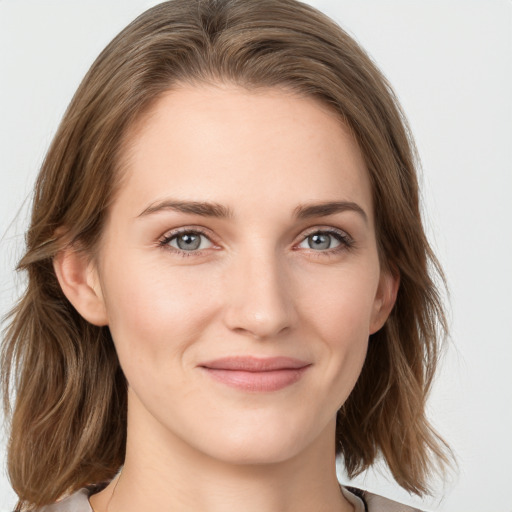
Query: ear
[(385, 299), (78, 278)]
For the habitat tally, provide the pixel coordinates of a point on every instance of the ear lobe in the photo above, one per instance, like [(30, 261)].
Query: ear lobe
[(78, 278), (385, 299)]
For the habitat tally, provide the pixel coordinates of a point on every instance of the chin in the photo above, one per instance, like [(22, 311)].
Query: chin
[(250, 452), (258, 444)]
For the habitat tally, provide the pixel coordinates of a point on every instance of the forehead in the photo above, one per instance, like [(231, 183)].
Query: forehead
[(229, 144)]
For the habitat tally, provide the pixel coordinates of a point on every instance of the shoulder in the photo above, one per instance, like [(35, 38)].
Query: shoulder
[(375, 503), (77, 502)]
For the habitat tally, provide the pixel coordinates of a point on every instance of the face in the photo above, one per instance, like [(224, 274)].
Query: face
[(239, 272)]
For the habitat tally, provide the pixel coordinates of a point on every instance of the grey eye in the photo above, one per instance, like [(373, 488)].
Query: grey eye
[(321, 241), (189, 241)]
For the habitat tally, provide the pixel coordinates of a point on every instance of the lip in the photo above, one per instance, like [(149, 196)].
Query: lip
[(250, 373)]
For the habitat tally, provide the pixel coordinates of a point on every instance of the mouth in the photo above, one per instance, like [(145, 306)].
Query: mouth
[(250, 373)]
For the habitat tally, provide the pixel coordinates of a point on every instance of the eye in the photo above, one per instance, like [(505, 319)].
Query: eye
[(186, 241), (326, 241)]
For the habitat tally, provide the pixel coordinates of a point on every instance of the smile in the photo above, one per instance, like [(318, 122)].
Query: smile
[(256, 374)]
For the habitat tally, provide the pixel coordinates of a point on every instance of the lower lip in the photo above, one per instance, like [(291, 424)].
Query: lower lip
[(257, 381)]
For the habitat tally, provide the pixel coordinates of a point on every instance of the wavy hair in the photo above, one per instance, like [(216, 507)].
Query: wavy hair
[(68, 420)]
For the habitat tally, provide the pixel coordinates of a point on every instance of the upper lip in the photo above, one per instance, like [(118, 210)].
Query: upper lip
[(255, 364)]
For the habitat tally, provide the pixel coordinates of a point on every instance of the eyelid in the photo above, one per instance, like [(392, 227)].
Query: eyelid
[(346, 241), (325, 229), (163, 240)]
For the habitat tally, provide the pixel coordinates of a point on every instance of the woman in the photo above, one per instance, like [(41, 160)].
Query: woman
[(228, 276)]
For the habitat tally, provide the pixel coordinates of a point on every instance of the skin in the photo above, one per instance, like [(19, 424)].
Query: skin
[(256, 286)]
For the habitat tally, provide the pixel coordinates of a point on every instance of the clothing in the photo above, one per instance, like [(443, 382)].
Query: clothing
[(363, 501)]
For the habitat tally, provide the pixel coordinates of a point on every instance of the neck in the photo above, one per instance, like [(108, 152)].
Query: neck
[(162, 473)]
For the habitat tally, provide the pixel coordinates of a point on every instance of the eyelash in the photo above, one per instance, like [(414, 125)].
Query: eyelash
[(346, 242), (164, 242)]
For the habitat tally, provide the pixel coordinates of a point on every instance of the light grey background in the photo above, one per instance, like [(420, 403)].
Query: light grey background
[(450, 63)]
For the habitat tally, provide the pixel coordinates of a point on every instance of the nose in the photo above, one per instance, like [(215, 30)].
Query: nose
[(259, 299)]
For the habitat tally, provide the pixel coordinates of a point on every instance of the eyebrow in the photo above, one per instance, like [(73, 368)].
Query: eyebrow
[(202, 208), (209, 209), (307, 211)]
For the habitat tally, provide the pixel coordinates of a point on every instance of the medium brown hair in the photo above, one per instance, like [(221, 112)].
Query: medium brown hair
[(68, 423)]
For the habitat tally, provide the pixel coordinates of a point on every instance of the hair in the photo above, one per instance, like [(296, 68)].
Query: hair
[(68, 420)]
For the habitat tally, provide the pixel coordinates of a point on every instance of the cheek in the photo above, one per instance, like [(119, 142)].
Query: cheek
[(155, 313), (340, 303), (340, 316)]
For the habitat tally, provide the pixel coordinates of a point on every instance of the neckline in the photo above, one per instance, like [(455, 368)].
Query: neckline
[(353, 497)]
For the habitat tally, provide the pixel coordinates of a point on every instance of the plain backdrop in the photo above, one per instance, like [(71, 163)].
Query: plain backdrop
[(450, 63)]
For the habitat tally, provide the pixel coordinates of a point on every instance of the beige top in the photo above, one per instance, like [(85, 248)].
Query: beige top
[(79, 502)]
